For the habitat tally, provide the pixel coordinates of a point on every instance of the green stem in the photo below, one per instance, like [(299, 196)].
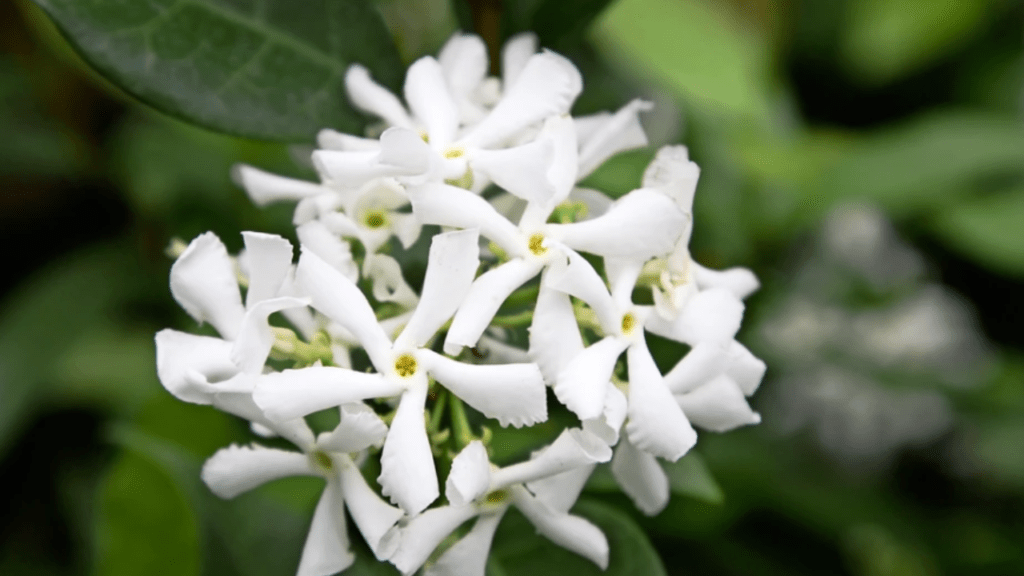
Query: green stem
[(523, 296), (514, 320), (438, 410), (460, 424)]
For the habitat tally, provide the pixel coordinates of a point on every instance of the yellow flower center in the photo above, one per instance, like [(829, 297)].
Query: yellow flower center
[(536, 244), (322, 460), (454, 152), (497, 496), (405, 366), (628, 323), (375, 219)]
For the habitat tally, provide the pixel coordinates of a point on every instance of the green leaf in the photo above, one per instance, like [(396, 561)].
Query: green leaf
[(885, 40), (932, 159), (560, 23), (693, 47), (987, 230), (519, 551), (144, 524), (270, 69), (689, 476)]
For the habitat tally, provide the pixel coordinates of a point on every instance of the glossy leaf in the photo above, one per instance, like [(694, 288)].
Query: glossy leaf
[(270, 69)]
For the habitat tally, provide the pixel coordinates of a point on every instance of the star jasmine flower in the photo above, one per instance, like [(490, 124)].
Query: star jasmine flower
[(514, 393), (476, 488), (238, 469)]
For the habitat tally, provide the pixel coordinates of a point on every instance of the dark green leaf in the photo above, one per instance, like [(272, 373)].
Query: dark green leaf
[(519, 551), (560, 22), (690, 476), (987, 230), (270, 69)]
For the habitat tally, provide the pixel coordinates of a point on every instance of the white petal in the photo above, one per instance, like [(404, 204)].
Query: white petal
[(672, 173), (360, 428), (178, 353), (240, 404), (588, 125), (511, 393), (485, 296), (327, 547), (494, 351), (203, 281), (269, 259), (564, 170), (354, 169), (334, 140), (315, 237), (371, 97), (293, 393), (582, 384), (640, 225), (423, 533), (388, 283), (547, 86), (464, 61), (622, 131), (570, 532), (446, 205), (451, 267), (236, 469), (641, 478), (740, 281), (522, 170), (554, 335), (702, 363), (374, 517), (597, 203), (339, 299), (406, 151), (560, 492), (470, 476), (609, 423), (579, 279), (622, 275), (406, 227), (573, 448), (515, 54), (407, 473), (468, 557), (255, 339), (710, 316), (264, 188), (656, 423), (718, 406), (427, 94), (745, 368)]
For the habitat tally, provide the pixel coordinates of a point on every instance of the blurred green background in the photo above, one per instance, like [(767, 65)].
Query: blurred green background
[(864, 157)]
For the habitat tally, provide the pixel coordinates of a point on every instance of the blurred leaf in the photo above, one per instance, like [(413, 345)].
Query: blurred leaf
[(886, 40), (692, 47), (560, 22), (874, 551), (512, 444), (987, 230), (930, 161), (421, 27), (997, 446), (269, 69), (44, 316), (690, 476), (519, 551), (144, 524), (108, 366), (621, 173)]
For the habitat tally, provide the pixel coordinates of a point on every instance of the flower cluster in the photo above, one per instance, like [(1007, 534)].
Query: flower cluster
[(520, 249)]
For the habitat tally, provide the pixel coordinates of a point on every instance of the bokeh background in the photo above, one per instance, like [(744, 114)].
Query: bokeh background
[(864, 157)]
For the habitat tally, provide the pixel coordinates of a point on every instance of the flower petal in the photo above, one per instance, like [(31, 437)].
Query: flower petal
[(447, 205), (464, 61), (406, 227), (702, 363), (338, 298), (354, 169), (268, 259), (570, 532), (424, 532), (620, 132), (470, 476), (255, 339), (656, 423), (672, 173), (241, 404), (718, 406), (579, 279), (597, 203), (374, 517), (521, 170), (581, 385), (236, 469), (407, 473), (426, 92), (318, 239), (264, 188), (360, 428), (609, 423), (712, 316), (388, 283), (451, 267), (640, 225), (740, 281), (511, 393), (641, 478), (516, 52), (745, 368), (468, 556), (547, 86), (327, 546), (334, 140), (178, 353), (573, 448), (293, 393), (478, 307), (560, 492), (371, 97), (554, 334), (492, 350), (203, 281)]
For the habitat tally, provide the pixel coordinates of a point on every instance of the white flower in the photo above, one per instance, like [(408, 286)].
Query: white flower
[(512, 393)]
